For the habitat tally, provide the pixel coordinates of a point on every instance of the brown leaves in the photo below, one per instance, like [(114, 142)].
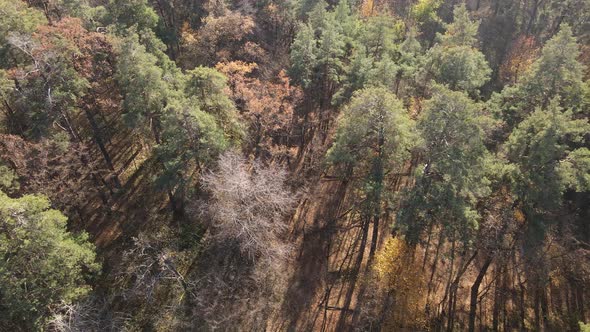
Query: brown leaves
[(63, 171), (267, 107), (218, 39), (523, 52)]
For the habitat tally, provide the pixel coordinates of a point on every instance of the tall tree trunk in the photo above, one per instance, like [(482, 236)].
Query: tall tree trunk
[(475, 292), (356, 269), (99, 141), (453, 292), (498, 297)]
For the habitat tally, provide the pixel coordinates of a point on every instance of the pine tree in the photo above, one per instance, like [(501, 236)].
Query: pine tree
[(374, 136), (557, 73), (454, 176), (144, 89), (544, 150), (43, 264), (455, 60), (303, 56)]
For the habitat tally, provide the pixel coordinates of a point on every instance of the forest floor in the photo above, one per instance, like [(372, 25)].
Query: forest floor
[(331, 266)]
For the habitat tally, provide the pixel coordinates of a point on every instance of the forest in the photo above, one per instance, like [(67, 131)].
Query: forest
[(294, 165)]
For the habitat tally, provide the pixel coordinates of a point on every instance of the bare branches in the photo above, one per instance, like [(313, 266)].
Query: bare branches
[(148, 264), (249, 206), (243, 271)]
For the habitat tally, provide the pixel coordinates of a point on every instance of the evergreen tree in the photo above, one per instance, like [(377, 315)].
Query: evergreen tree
[(544, 149), (206, 89), (145, 91), (16, 19), (374, 137), (43, 265), (557, 73), (455, 60), (454, 176), (303, 56)]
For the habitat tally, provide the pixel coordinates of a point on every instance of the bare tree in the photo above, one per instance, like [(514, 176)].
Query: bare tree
[(147, 264), (89, 315), (249, 205), (243, 270)]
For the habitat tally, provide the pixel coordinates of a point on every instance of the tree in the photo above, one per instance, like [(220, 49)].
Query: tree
[(268, 108), (424, 14), (241, 277), (249, 207), (380, 35), (454, 175), (50, 85), (556, 73), (374, 137), (145, 91), (543, 149), (303, 56), (15, 19), (124, 14), (220, 38), (206, 87), (521, 56), (317, 53), (454, 60), (191, 139), (43, 264)]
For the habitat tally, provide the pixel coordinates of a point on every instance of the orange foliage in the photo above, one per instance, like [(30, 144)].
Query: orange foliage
[(367, 8), (218, 39), (523, 52), (267, 106)]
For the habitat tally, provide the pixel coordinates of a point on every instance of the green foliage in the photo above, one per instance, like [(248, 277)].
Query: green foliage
[(131, 13), (319, 48), (557, 73), (546, 163), (455, 175), (16, 19), (42, 264), (303, 56), (461, 67), (374, 137), (206, 87), (424, 16), (424, 11), (8, 178), (454, 60), (190, 139), (380, 36), (462, 31), (190, 117), (49, 85), (142, 83), (373, 125)]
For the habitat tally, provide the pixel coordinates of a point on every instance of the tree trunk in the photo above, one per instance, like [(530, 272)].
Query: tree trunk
[(453, 292), (99, 141), (475, 292)]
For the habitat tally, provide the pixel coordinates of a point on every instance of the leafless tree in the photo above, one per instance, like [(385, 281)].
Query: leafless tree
[(249, 205), (88, 315), (147, 264), (243, 270)]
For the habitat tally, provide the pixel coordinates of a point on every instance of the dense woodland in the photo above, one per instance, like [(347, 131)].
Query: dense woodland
[(294, 165)]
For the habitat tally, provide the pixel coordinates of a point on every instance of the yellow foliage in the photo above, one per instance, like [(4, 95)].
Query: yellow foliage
[(396, 272), (235, 67), (519, 216), (367, 8)]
